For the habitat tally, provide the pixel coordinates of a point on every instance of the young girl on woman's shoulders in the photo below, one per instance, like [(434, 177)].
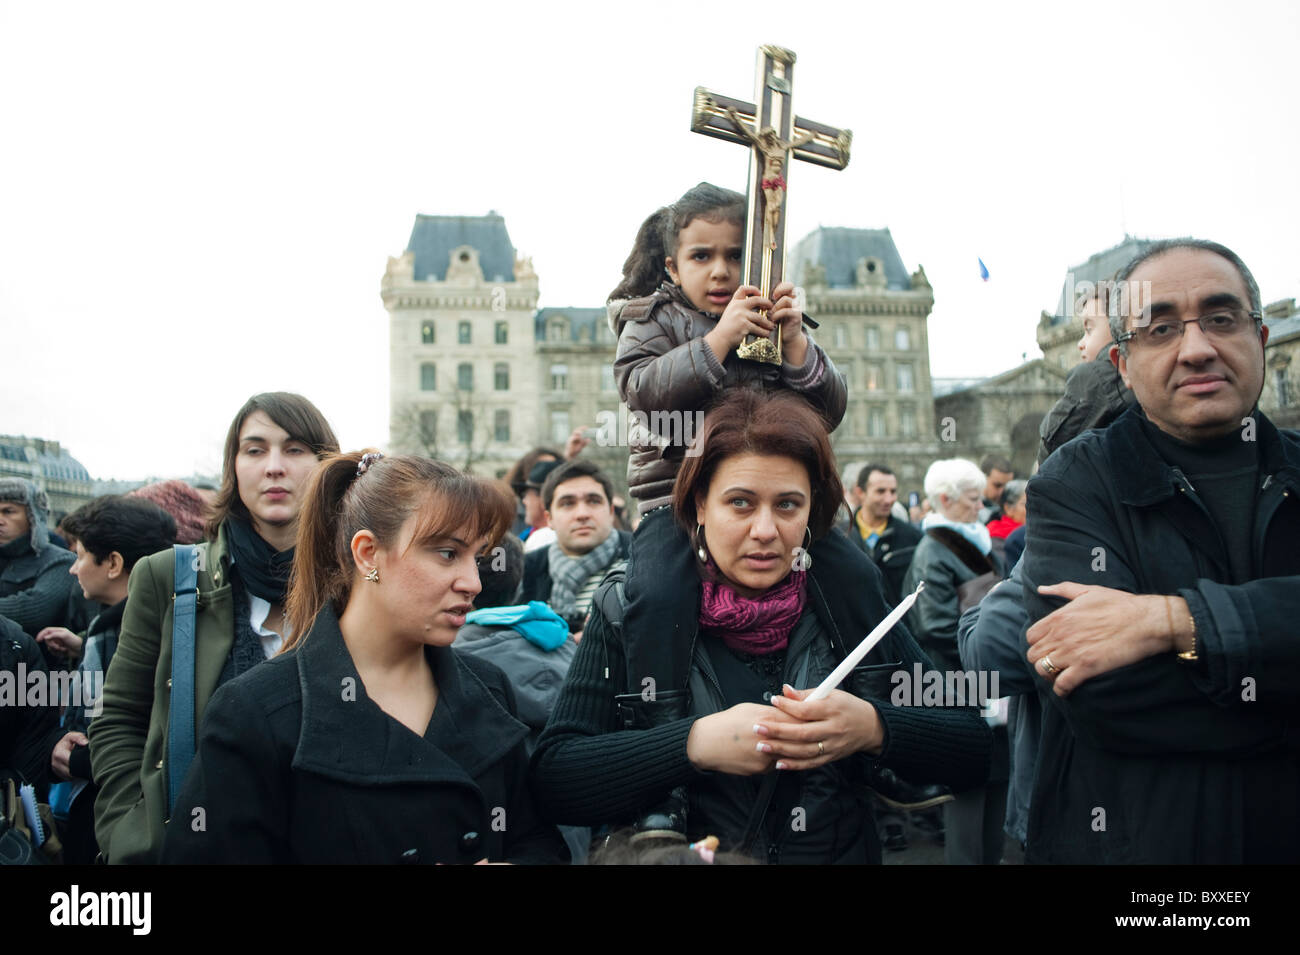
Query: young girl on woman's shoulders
[(680, 313)]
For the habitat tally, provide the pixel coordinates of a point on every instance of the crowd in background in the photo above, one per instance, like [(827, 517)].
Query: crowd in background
[(539, 665)]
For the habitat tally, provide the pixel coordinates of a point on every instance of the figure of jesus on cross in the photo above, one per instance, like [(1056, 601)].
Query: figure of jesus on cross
[(774, 150), (773, 133)]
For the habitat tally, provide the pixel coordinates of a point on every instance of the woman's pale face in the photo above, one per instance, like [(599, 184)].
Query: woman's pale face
[(271, 469), (964, 508), (430, 585), (754, 514)]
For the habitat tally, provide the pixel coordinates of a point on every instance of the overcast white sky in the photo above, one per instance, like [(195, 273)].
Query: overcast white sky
[(197, 200)]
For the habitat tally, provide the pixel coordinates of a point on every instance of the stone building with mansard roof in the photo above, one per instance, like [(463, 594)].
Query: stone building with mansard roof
[(479, 374), (873, 318)]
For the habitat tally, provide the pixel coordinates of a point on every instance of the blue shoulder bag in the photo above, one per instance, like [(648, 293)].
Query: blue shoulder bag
[(180, 724)]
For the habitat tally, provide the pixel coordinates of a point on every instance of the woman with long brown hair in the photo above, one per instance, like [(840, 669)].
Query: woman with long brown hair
[(274, 443), (368, 740)]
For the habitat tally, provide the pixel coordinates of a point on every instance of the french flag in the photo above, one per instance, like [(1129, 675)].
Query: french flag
[(984, 270)]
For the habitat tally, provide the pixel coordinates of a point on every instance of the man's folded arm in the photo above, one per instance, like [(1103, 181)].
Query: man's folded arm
[(1153, 706)]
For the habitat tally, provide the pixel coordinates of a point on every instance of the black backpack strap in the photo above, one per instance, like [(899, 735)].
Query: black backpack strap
[(611, 598)]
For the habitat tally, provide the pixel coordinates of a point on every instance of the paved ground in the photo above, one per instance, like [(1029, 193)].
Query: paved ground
[(922, 849)]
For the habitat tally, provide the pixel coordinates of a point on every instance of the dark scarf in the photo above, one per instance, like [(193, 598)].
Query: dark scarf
[(758, 625), (568, 574), (16, 548), (262, 569), (246, 652)]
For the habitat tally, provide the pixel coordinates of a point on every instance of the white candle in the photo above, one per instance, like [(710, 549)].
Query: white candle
[(863, 648)]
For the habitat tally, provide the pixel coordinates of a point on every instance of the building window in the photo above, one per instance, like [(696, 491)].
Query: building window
[(465, 426), (873, 338), (607, 382), (904, 378), (429, 428), (463, 333), (560, 429), (560, 379), (907, 421), (902, 339), (501, 377), (426, 333), (1283, 391), (557, 330), (874, 376), (465, 376), (876, 423), (428, 377), (503, 333), (841, 336), (501, 426)]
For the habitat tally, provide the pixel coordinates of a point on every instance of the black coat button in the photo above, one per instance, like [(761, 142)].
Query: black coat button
[(410, 857), (470, 842)]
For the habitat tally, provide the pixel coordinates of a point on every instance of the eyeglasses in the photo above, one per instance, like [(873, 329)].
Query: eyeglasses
[(1162, 332)]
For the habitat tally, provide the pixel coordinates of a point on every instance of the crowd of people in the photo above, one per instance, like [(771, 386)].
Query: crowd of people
[(357, 657)]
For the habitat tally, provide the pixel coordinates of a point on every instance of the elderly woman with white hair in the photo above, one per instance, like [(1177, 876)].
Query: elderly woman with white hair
[(956, 550), (956, 560)]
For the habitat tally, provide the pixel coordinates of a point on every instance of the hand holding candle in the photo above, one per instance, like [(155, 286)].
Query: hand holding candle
[(875, 636)]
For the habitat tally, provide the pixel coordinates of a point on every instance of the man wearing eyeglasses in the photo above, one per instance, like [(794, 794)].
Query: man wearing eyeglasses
[(1162, 584)]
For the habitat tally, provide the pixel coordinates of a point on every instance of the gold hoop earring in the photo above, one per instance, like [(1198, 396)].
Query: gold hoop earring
[(373, 576), (700, 550)]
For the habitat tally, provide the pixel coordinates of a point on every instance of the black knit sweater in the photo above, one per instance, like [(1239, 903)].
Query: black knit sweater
[(587, 771)]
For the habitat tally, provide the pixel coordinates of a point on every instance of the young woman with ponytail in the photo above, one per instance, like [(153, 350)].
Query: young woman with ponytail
[(367, 739)]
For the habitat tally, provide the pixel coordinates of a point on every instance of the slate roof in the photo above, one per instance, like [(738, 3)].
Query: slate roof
[(939, 387), (1100, 267), (942, 387), (840, 250), (434, 237), (1280, 329), (584, 323), (61, 465)]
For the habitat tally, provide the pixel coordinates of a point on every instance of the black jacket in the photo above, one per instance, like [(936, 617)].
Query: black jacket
[(892, 553), (36, 588), (537, 570), (1161, 761), (588, 770), (297, 764), (944, 560), (1095, 395), (24, 730)]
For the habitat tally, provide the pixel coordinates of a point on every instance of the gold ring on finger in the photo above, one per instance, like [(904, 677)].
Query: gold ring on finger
[(1050, 667), (821, 748)]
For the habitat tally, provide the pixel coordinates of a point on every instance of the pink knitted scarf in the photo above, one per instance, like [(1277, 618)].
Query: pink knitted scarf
[(758, 625)]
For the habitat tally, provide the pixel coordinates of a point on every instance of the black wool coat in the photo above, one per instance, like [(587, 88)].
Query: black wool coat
[(1162, 761), (296, 764)]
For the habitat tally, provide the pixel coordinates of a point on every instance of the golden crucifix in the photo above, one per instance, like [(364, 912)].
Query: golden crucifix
[(775, 133)]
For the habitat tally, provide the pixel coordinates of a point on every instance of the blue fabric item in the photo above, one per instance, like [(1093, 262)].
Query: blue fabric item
[(537, 622), (181, 728)]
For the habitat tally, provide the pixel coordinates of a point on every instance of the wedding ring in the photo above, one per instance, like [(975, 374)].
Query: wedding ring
[(1049, 667), (821, 748)]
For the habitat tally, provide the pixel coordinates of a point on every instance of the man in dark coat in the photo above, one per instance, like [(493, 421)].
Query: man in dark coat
[(578, 498), (1162, 585), (888, 541), (34, 584)]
